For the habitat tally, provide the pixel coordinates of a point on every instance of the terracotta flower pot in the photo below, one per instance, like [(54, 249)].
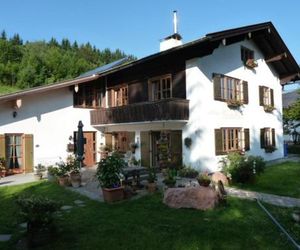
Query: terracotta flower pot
[(151, 187), (2, 173), (75, 179), (111, 195), (63, 181)]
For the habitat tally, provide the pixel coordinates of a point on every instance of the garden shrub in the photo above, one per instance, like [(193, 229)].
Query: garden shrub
[(241, 168), (188, 172), (37, 211)]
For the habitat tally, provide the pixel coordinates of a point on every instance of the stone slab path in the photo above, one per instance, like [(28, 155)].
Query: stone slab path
[(277, 200)]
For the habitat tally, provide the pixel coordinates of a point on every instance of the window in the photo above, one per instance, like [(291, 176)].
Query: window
[(266, 98), (267, 138), (229, 89), (246, 54), (231, 140), (88, 96), (14, 151), (118, 96), (160, 88)]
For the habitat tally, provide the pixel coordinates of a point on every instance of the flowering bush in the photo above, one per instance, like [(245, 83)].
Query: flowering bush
[(241, 168)]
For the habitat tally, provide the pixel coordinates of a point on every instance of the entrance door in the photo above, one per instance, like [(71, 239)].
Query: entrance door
[(155, 136), (90, 148), (90, 151)]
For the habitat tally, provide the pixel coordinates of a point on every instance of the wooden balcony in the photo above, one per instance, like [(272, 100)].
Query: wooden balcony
[(169, 109)]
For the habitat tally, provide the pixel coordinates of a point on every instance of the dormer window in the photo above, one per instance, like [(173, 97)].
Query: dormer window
[(247, 56)]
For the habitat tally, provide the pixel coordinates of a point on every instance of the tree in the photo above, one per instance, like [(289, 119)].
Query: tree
[(16, 40), (3, 35), (33, 64)]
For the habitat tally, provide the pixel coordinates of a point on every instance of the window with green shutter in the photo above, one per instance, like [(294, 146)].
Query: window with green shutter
[(231, 90), (268, 139), (231, 140), (266, 98)]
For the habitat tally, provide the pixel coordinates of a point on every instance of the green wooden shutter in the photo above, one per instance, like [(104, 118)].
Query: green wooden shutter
[(217, 86), (273, 138), (262, 138), (245, 92), (247, 139), (145, 148), (2, 146), (218, 142), (261, 95), (28, 153), (272, 97)]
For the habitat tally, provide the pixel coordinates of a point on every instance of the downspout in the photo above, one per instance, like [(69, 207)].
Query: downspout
[(297, 246)]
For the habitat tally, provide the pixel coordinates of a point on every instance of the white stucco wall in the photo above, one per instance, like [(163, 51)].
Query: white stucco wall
[(206, 114), (51, 118)]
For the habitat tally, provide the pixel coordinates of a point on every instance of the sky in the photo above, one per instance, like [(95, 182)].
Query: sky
[(137, 26)]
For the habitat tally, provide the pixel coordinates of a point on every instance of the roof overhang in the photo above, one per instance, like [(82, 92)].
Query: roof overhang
[(45, 88), (264, 35)]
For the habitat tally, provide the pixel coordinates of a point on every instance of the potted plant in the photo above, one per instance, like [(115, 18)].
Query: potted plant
[(2, 167), (268, 108), (170, 178), (39, 171), (52, 173), (63, 173), (204, 179), (109, 176), (251, 63), (234, 103), (151, 180), (75, 175), (133, 146), (270, 149)]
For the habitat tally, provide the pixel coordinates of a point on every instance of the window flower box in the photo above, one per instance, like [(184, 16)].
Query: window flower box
[(270, 149), (234, 103), (268, 108), (251, 63)]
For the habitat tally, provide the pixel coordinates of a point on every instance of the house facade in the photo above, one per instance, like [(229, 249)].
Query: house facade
[(190, 104)]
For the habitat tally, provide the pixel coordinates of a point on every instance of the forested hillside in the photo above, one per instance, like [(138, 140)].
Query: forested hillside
[(30, 64)]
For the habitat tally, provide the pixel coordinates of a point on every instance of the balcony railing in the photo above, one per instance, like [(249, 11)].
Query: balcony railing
[(168, 109)]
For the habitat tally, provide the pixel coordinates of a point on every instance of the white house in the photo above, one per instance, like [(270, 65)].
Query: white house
[(191, 103)]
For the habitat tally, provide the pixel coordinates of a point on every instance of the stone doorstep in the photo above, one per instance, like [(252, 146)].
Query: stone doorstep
[(5, 237)]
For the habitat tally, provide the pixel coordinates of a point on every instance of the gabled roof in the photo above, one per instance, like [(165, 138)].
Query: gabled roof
[(264, 35), (101, 69)]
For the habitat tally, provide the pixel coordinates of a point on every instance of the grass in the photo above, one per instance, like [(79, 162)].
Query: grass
[(146, 223), (280, 179), (4, 89)]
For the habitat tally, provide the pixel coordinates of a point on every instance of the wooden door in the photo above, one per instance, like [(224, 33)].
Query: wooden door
[(90, 151)]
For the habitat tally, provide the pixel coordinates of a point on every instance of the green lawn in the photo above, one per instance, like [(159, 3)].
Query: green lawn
[(146, 223), (281, 179)]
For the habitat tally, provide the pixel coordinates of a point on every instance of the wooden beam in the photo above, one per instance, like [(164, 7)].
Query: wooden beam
[(276, 58), (287, 78)]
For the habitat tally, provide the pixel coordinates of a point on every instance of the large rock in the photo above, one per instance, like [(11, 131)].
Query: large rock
[(201, 198), (218, 176)]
